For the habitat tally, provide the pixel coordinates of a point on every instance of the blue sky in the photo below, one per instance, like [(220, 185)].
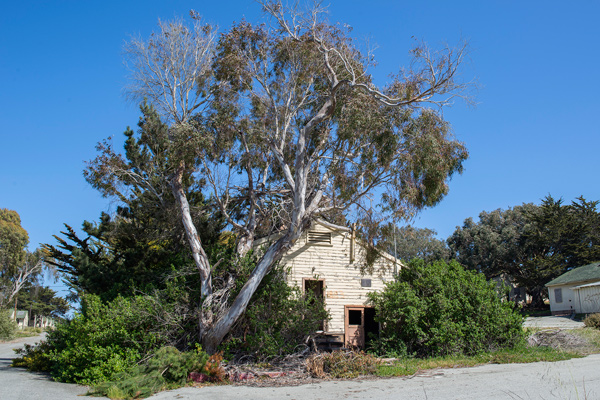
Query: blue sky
[(533, 132)]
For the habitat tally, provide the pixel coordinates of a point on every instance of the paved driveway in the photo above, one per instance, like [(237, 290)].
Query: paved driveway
[(552, 322), (18, 384)]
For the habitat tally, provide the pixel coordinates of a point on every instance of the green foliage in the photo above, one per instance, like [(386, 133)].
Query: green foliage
[(277, 321), (532, 244), (13, 240), (441, 309), (34, 357), (18, 267), (135, 249), (167, 368), (592, 321), (409, 243), (104, 340), (8, 326), (42, 301), (340, 364)]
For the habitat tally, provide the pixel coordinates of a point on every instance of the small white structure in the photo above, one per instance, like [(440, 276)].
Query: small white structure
[(22, 318), (576, 291), (330, 261)]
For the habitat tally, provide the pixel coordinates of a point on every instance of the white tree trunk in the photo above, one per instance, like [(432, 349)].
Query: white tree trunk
[(198, 254), (213, 337)]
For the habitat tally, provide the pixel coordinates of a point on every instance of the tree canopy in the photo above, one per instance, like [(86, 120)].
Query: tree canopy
[(281, 124), (408, 243), (18, 266), (532, 244), (135, 249)]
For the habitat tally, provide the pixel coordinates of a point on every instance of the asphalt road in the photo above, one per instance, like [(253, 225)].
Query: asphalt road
[(572, 379), (18, 384)]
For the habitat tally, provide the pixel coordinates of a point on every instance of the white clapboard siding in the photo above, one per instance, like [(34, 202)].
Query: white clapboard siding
[(313, 257)]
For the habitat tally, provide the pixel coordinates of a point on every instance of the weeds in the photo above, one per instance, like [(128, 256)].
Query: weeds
[(592, 321), (340, 364), (521, 354)]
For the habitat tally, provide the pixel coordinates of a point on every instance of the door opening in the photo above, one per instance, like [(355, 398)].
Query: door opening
[(360, 326)]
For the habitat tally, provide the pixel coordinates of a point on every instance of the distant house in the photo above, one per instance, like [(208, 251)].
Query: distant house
[(516, 293), (576, 291), (330, 261), (22, 318)]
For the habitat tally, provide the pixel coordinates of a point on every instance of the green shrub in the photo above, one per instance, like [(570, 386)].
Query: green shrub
[(592, 321), (34, 357), (167, 368), (441, 309), (8, 326), (102, 341), (277, 321)]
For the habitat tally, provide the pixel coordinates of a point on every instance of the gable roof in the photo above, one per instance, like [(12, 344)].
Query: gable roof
[(588, 272)]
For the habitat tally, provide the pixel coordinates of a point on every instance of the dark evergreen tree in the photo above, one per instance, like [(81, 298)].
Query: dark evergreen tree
[(532, 244), (136, 248)]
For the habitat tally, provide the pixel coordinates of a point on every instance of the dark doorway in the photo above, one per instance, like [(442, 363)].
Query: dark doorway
[(371, 326)]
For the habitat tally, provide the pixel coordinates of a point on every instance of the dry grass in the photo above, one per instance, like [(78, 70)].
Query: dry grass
[(342, 364)]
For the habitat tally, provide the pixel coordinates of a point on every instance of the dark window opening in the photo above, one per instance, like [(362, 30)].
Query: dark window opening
[(354, 317), (316, 288)]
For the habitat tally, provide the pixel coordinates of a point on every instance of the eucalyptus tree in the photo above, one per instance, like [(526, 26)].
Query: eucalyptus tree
[(18, 266), (287, 127)]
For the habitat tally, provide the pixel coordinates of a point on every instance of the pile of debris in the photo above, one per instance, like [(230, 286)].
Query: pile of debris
[(560, 339), (285, 371)]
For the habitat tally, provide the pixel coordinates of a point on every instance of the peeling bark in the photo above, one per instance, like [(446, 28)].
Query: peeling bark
[(214, 336), (198, 254)]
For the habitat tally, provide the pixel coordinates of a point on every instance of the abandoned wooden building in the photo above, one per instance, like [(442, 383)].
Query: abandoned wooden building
[(330, 261)]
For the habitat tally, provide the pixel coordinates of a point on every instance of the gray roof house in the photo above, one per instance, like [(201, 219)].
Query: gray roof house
[(576, 291)]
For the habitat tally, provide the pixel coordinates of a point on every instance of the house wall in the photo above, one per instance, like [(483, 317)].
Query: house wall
[(568, 299), (588, 299), (342, 278), (584, 300)]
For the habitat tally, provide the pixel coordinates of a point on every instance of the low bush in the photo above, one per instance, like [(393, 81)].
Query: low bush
[(8, 327), (102, 341), (34, 357), (441, 309), (340, 364), (277, 321), (592, 321), (167, 368)]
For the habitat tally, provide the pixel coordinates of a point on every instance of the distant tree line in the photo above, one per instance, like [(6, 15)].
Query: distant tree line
[(532, 244)]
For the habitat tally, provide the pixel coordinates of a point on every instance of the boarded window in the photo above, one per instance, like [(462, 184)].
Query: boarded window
[(319, 237), (558, 295)]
